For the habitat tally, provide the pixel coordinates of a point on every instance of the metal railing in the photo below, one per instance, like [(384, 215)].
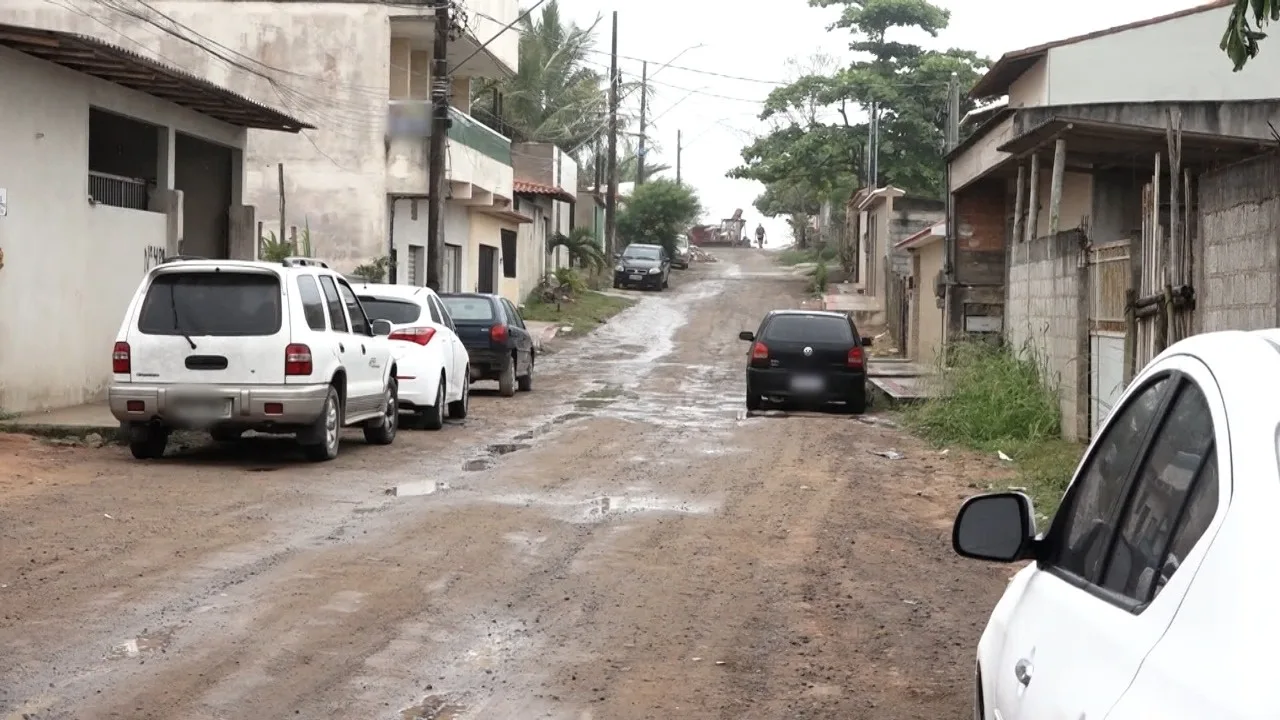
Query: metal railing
[(117, 191), (413, 118)]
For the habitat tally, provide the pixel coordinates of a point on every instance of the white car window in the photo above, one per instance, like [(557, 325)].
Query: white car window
[(1138, 561), (1087, 518)]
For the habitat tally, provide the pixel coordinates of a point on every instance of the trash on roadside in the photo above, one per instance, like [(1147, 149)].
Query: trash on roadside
[(696, 659), (944, 452), (720, 662), (107, 516), (888, 454), (1004, 457)]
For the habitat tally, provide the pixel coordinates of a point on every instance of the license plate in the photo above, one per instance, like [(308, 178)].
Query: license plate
[(807, 383), (204, 409), (637, 277)]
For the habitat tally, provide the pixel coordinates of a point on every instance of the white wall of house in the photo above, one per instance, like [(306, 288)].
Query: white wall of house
[(532, 243), (70, 268), (1176, 59), (981, 156), (334, 61), (1032, 89)]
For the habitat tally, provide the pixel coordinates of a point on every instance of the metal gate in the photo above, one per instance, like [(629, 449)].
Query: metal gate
[(1108, 281)]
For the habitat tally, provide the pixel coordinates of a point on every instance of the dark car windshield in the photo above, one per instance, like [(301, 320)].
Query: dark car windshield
[(224, 303), (396, 312), (468, 308), (808, 328), (635, 253)]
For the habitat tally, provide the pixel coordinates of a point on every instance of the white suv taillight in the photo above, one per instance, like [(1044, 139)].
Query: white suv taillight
[(121, 359), (297, 360)]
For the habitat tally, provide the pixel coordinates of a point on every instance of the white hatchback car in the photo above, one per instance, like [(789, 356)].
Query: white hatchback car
[(434, 370), (230, 346), (1150, 594)]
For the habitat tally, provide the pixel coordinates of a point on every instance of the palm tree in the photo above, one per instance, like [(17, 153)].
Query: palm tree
[(581, 246), (555, 97)]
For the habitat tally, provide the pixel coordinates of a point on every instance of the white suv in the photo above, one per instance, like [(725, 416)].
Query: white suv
[(230, 346)]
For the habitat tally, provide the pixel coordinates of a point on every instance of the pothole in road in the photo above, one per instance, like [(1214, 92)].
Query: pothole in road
[(433, 707), (607, 506), (478, 464), (148, 641), (416, 489), (500, 449)]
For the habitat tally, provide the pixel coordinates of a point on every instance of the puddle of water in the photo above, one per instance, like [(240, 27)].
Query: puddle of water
[(603, 507), (433, 707), (506, 448), (416, 489), (477, 464), (148, 641)]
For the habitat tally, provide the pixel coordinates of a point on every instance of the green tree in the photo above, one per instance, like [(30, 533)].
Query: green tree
[(658, 212), (1244, 29), (817, 152)]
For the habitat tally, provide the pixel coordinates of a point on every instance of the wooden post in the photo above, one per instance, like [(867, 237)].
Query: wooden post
[(1033, 201), (1018, 207), (1173, 269), (1055, 188), (1130, 332), (280, 175)]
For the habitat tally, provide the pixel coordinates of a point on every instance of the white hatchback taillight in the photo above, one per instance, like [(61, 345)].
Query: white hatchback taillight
[(121, 359), (297, 360)]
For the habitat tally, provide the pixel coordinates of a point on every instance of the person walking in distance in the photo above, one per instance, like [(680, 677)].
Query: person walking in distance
[(760, 236)]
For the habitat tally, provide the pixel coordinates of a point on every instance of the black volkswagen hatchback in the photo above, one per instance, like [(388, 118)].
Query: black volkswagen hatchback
[(807, 357)]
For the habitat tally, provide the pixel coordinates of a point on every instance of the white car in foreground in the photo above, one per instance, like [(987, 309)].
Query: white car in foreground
[(1150, 595), (434, 370)]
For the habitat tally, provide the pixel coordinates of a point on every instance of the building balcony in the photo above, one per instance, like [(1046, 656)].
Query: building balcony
[(487, 20), (477, 158)]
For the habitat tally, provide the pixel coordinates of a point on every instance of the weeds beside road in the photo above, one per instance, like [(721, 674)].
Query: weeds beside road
[(992, 400), (584, 311)]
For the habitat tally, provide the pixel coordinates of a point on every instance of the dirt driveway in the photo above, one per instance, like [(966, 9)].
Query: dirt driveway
[(620, 543)]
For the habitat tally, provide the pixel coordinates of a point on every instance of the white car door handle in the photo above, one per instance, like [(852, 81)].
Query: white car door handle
[(1022, 671)]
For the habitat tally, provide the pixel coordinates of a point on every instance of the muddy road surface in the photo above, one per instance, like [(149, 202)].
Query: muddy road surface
[(622, 542)]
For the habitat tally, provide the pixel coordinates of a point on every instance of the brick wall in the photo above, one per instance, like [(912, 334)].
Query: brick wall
[(982, 224), (1239, 231), (1042, 317)]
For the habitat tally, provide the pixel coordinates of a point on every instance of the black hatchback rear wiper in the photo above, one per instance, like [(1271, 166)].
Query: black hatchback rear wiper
[(177, 321)]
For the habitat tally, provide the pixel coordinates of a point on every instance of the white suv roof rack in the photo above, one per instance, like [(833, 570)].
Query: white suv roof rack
[(304, 262)]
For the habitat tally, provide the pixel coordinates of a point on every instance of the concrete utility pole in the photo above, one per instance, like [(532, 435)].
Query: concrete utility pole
[(679, 152), (644, 92), (611, 197), (436, 155)]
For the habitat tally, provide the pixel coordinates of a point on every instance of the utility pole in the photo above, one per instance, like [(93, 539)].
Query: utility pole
[(949, 239), (679, 152), (644, 91), (280, 176), (611, 198), (436, 155), (873, 159)]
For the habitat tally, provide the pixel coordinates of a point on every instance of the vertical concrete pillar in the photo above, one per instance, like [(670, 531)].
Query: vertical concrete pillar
[(166, 140), (242, 242)]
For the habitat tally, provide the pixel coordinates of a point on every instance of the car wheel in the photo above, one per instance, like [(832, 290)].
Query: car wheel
[(458, 408), (322, 441), (507, 380), (432, 418), (979, 708), (382, 431), (525, 382), (148, 442), (753, 398), (226, 435)]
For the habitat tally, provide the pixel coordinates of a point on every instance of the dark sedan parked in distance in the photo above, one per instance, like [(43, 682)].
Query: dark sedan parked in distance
[(642, 266), (500, 346), (809, 358)]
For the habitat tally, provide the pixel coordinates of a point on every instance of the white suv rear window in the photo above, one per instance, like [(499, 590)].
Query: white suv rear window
[(224, 303)]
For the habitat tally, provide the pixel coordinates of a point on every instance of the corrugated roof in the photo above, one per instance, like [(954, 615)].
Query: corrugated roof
[(103, 60), (523, 187), (1013, 64)]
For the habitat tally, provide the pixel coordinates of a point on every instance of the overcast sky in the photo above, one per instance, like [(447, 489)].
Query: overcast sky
[(754, 45)]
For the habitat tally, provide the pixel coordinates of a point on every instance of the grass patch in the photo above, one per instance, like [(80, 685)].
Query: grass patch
[(584, 312), (992, 399), (795, 256)]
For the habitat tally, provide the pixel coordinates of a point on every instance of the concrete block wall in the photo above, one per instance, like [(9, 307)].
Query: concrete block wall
[(1240, 232), (1042, 318)]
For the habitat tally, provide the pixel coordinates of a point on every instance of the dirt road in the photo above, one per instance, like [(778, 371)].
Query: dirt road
[(620, 543)]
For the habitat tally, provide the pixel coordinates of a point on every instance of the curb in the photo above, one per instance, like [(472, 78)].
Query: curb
[(109, 433)]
